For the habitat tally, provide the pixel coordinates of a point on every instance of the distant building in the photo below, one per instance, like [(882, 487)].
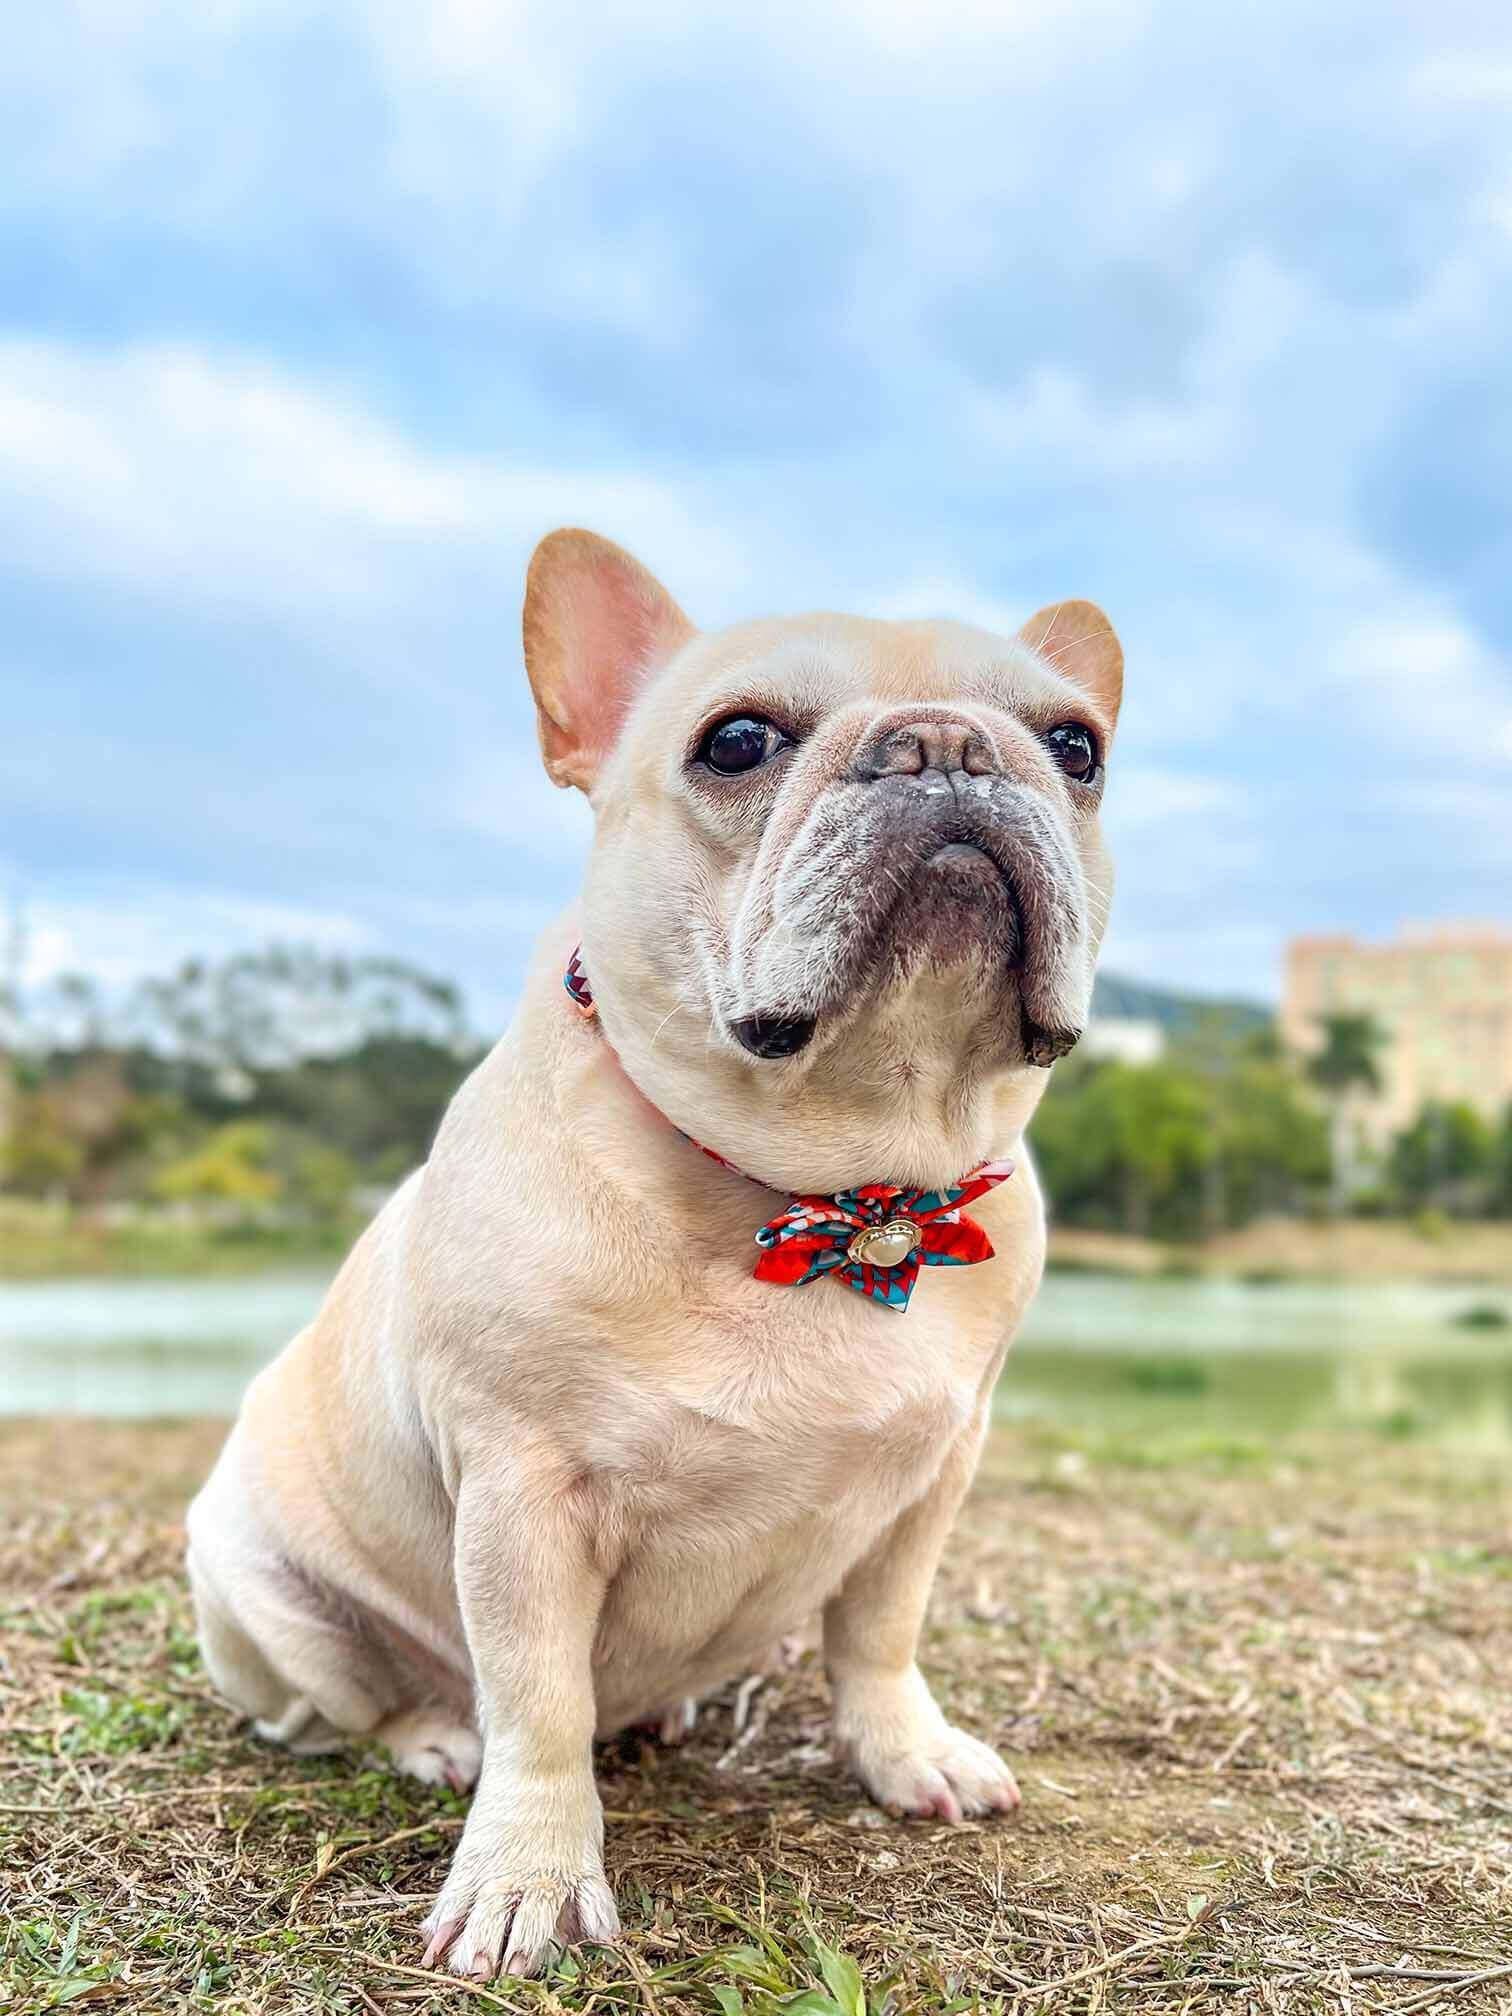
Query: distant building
[(1442, 997), (1129, 1039)]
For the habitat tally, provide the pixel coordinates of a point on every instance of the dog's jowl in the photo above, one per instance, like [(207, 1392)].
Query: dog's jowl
[(687, 1330)]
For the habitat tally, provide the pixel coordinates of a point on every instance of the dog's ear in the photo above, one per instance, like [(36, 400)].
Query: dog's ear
[(595, 623), (1078, 641)]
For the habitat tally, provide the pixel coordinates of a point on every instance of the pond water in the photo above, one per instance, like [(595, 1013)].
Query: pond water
[(1205, 1359)]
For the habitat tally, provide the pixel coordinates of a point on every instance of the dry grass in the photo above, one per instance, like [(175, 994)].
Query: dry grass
[(1352, 1249), (1260, 1712)]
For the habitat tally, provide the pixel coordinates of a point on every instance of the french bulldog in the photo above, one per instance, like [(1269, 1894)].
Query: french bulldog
[(566, 1447)]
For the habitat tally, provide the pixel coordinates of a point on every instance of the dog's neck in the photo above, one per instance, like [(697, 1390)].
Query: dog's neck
[(907, 1090), (873, 1237)]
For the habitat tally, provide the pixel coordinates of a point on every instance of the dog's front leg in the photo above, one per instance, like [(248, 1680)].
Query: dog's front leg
[(529, 1870), (886, 1722)]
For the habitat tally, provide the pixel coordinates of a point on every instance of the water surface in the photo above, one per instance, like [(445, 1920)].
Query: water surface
[(1210, 1358)]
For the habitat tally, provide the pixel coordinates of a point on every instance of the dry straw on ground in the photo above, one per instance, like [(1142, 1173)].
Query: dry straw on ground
[(1260, 1706)]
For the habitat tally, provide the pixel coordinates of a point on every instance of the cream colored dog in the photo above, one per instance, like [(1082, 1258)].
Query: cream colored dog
[(550, 1461)]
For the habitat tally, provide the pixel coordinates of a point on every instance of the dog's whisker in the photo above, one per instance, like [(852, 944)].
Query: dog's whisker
[(656, 1036)]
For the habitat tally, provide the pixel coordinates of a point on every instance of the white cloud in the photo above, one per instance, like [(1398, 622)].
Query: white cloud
[(1474, 77), (1143, 795), (1214, 953), (214, 477), (502, 793), (1429, 682), (1055, 425), (118, 933), (934, 595)]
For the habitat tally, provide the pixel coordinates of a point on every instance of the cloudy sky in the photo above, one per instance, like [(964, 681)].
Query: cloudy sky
[(313, 317)]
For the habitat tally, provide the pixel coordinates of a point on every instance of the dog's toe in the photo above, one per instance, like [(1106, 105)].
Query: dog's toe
[(429, 1744)]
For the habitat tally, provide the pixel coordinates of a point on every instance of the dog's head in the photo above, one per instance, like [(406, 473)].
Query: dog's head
[(848, 883)]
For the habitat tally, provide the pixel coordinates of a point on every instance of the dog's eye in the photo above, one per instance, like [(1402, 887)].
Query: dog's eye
[(1075, 750), (740, 744)]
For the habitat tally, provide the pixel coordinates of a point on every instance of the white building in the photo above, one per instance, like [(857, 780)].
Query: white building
[(1127, 1039)]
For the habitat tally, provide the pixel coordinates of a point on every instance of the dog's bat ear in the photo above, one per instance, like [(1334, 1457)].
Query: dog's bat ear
[(1078, 641), (595, 624)]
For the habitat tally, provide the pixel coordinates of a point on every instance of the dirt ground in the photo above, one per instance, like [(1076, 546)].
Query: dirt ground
[(1260, 1707)]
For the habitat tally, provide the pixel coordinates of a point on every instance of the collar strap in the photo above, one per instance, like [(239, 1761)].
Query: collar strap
[(874, 1238), (575, 980)]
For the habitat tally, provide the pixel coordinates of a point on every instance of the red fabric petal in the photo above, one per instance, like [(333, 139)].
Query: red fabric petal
[(965, 1242), (789, 1262)]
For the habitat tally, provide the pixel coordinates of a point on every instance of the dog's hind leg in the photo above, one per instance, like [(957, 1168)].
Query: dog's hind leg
[(307, 1677)]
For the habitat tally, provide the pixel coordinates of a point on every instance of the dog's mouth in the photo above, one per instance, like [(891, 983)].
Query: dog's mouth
[(975, 892)]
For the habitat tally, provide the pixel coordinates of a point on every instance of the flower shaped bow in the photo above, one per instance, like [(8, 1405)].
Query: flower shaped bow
[(877, 1237)]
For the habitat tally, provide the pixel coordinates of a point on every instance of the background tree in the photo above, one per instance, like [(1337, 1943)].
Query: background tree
[(1447, 1159), (1499, 1197), (1344, 1069), (1124, 1145), (270, 1010), (1273, 1141), (230, 1168)]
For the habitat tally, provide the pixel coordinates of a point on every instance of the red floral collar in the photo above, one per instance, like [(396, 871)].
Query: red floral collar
[(874, 1238)]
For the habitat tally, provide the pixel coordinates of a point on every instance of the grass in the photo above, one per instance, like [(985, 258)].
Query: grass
[(41, 1242), (1259, 1709), (1484, 1316)]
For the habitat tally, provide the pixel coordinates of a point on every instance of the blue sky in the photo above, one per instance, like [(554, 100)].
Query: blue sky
[(313, 318)]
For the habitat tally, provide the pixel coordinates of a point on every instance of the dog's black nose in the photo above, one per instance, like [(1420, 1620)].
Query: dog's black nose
[(916, 746), (773, 1036)]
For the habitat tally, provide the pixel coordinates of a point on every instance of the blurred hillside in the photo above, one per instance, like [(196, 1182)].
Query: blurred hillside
[(1177, 1014)]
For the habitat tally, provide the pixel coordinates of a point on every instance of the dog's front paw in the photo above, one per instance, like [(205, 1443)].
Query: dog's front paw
[(515, 1917), (948, 1777)]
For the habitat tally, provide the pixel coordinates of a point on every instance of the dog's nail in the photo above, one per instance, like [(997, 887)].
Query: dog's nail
[(442, 1938)]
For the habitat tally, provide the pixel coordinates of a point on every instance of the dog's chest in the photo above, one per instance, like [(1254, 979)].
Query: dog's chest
[(809, 1382), (732, 1501)]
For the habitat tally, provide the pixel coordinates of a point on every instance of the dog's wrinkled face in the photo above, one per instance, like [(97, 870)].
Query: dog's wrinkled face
[(848, 883)]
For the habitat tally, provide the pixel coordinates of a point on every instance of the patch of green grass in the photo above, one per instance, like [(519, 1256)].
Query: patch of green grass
[(795, 1971), (1065, 1454), (1402, 1424), (1474, 1560), (1484, 1316), (155, 1629), (97, 1723), (1168, 1375), (42, 1242)]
